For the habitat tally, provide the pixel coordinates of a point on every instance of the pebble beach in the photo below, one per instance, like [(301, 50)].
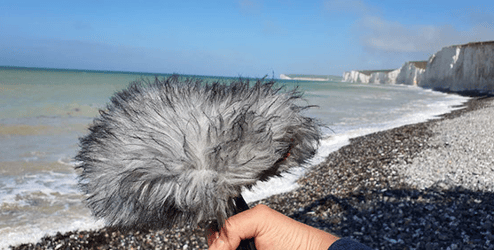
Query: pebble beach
[(422, 186)]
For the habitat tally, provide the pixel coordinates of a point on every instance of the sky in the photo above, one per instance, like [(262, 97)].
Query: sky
[(248, 38)]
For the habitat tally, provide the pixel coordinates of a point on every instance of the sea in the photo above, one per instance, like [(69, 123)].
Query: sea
[(43, 112)]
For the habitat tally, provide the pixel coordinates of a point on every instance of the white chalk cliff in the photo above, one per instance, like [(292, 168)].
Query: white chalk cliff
[(462, 68), (384, 77), (371, 76), (410, 73), (355, 76), (458, 68)]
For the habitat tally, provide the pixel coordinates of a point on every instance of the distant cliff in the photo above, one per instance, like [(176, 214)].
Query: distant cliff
[(467, 68), (410, 74), (310, 77), (462, 68), (370, 76)]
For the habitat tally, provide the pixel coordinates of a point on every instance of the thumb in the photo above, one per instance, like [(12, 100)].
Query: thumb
[(239, 227)]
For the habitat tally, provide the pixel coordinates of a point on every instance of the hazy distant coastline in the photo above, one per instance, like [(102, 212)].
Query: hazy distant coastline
[(309, 77)]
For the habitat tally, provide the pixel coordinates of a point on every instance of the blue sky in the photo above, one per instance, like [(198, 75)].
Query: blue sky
[(249, 38)]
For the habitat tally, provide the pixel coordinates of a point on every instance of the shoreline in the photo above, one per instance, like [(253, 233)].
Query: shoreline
[(354, 193)]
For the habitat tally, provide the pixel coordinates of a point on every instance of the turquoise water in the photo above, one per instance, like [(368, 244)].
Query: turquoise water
[(43, 112)]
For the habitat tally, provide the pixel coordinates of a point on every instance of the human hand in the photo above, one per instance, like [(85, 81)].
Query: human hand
[(270, 230)]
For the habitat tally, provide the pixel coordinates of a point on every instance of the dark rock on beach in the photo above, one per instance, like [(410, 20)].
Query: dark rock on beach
[(361, 191)]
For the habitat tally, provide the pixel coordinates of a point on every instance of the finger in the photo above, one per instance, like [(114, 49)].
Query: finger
[(212, 236), (242, 226), (245, 225)]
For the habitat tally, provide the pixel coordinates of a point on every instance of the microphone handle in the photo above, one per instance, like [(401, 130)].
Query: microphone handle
[(240, 206)]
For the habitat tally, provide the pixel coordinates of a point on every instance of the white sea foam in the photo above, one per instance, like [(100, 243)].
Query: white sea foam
[(47, 183), (41, 202), (33, 232)]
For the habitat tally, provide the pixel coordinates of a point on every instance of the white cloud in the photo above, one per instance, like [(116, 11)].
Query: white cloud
[(394, 42), (388, 36), (377, 34)]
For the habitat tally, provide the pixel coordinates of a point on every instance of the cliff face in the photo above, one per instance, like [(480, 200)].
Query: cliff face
[(355, 76), (462, 68), (467, 68), (384, 77), (370, 76), (410, 73)]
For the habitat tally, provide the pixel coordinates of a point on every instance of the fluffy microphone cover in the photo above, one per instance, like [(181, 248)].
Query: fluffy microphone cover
[(176, 151)]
